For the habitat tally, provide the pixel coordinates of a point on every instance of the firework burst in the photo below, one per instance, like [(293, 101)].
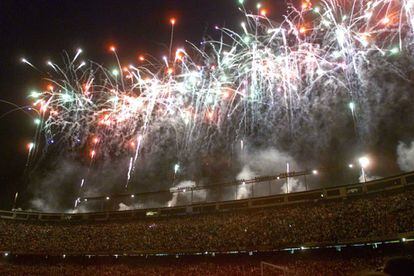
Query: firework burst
[(267, 76)]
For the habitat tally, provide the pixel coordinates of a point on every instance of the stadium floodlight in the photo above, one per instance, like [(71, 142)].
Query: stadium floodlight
[(364, 162), (176, 168), (30, 146)]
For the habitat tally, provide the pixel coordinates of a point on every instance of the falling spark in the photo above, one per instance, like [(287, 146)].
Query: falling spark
[(266, 76)]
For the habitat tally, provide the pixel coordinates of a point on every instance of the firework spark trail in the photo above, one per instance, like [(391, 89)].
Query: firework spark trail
[(266, 74)]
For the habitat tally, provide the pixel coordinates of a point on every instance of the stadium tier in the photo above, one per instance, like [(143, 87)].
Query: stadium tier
[(373, 215), (302, 263)]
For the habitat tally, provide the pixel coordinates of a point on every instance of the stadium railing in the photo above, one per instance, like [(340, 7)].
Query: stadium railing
[(388, 184)]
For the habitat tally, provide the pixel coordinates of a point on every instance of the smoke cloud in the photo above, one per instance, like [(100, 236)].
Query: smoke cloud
[(292, 185), (182, 195), (367, 178), (124, 207), (58, 188), (405, 156), (263, 162)]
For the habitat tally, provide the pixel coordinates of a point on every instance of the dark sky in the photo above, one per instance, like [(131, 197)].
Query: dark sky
[(42, 30)]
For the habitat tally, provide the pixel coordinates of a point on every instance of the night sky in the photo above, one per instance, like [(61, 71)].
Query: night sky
[(42, 30)]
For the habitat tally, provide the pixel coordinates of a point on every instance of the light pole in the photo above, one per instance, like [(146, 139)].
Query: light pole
[(176, 168), (364, 163), (352, 108)]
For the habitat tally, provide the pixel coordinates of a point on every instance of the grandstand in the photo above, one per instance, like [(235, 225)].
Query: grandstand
[(393, 183), (354, 226)]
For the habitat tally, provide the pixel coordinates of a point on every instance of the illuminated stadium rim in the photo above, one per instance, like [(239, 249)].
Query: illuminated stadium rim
[(236, 183), (203, 187), (401, 238), (400, 181)]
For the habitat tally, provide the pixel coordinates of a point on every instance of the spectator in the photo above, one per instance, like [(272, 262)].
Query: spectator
[(377, 216)]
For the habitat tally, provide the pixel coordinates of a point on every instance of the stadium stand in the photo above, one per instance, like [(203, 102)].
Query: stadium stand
[(348, 261), (377, 216)]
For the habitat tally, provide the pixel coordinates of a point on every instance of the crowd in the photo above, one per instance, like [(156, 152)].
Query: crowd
[(280, 264), (372, 216), (199, 270)]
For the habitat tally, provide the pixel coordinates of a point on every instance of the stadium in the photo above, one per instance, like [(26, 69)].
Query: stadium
[(208, 137), (334, 231)]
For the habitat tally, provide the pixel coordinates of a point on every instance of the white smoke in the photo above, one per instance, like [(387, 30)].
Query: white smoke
[(243, 191), (405, 156), (39, 204), (295, 185), (266, 162), (246, 173), (59, 188), (139, 205), (82, 209), (367, 177), (269, 161), (124, 207), (180, 189), (180, 196)]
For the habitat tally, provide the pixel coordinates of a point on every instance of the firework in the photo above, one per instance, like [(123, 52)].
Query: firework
[(263, 77)]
